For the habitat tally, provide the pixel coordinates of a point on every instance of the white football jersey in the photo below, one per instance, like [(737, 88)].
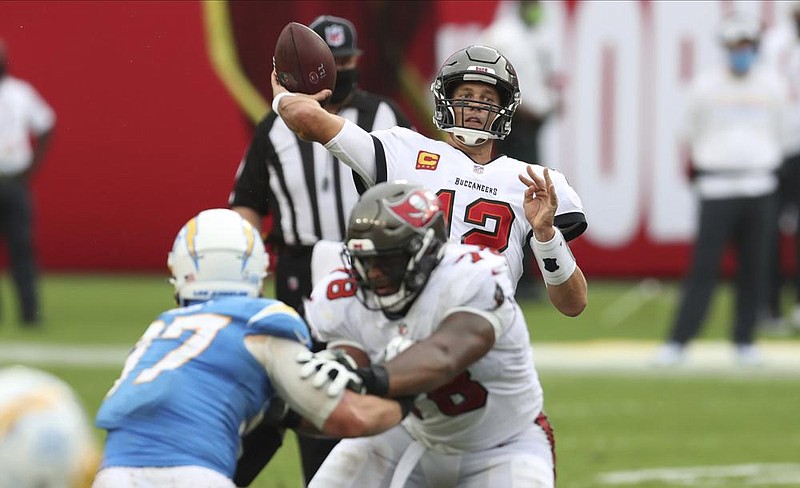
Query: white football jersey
[(482, 202), (496, 397)]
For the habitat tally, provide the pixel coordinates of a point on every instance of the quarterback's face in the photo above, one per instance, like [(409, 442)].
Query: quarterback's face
[(473, 113)]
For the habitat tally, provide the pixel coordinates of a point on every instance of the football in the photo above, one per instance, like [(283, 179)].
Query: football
[(303, 61)]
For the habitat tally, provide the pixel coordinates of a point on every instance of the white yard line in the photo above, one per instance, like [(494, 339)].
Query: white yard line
[(62, 354), (707, 476), (619, 357), (632, 357)]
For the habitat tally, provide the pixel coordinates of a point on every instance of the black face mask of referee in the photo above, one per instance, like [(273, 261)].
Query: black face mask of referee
[(346, 82)]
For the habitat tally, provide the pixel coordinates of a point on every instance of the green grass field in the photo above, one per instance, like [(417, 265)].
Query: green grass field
[(613, 428)]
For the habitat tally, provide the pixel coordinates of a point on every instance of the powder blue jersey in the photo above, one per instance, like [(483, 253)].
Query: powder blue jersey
[(190, 385)]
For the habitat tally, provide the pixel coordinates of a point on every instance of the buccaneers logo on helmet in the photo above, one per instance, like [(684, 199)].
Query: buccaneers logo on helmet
[(417, 209)]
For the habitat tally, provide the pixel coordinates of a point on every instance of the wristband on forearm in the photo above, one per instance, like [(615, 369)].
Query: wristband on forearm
[(554, 259), (276, 102), (375, 379)]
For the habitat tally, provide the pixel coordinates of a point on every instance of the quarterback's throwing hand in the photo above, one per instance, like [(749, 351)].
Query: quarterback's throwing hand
[(540, 203)]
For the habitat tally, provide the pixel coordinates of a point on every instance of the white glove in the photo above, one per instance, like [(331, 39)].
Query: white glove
[(340, 356), (395, 347), (326, 370)]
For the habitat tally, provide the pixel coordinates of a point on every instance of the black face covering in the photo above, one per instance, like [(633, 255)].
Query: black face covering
[(346, 81)]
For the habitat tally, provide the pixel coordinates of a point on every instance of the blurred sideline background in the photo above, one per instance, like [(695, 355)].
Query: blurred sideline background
[(156, 102)]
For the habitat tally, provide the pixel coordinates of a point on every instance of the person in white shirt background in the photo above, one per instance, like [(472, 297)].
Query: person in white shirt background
[(781, 49), (735, 127), (24, 115)]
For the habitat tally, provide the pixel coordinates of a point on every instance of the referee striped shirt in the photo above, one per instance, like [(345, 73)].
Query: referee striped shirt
[(309, 192)]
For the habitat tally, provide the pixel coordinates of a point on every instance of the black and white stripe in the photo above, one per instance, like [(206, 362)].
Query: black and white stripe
[(309, 192)]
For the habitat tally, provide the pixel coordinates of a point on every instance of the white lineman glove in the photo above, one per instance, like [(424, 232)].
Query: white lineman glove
[(340, 356), (330, 370), (395, 347)]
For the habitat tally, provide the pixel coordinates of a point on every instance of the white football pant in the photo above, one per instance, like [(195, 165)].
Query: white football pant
[(168, 477), (394, 460)]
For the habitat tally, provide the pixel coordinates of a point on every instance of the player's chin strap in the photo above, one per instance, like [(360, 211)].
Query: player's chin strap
[(407, 462), (470, 137)]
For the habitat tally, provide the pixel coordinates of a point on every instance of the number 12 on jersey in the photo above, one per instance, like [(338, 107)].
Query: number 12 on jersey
[(478, 213)]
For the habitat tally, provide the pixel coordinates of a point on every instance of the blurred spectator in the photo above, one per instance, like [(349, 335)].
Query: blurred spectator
[(781, 49), (23, 115), (46, 439), (517, 32), (309, 194), (735, 128)]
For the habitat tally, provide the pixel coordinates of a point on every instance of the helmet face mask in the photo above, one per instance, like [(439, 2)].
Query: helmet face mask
[(395, 239), (217, 254), (391, 267), (480, 64)]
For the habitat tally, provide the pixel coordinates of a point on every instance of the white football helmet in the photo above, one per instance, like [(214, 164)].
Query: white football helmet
[(46, 439), (217, 254)]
